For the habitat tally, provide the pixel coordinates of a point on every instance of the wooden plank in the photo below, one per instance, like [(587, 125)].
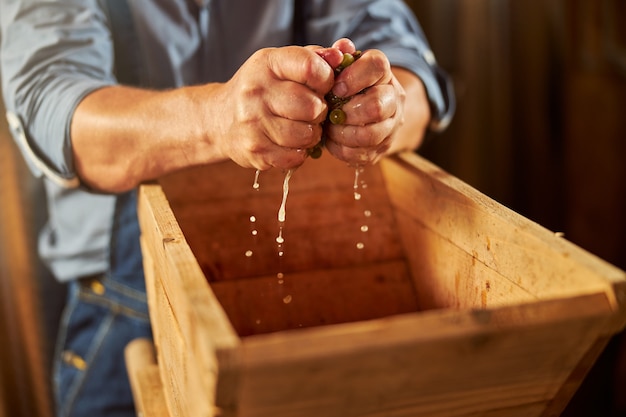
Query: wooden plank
[(145, 380), (322, 230), (186, 375), (166, 336), (562, 398), (518, 249), (324, 223), (178, 270), (227, 180), (316, 298), (445, 276), (192, 333), (149, 382), (435, 363)]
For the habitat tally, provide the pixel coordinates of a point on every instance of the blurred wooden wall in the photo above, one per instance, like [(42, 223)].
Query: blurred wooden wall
[(541, 127), (541, 88), (25, 344)]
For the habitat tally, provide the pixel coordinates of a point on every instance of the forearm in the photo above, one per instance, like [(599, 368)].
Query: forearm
[(265, 116), (122, 136), (410, 134)]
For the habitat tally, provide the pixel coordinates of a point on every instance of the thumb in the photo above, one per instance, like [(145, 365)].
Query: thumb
[(301, 65)]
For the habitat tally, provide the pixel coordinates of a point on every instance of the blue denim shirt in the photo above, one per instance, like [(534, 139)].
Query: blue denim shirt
[(54, 53)]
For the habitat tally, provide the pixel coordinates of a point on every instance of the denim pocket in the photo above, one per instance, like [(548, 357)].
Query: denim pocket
[(90, 373)]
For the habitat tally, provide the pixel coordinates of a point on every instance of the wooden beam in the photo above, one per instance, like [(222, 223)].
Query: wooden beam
[(22, 352)]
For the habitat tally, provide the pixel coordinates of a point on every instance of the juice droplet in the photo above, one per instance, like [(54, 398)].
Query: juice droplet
[(255, 232), (256, 185), (360, 245), (279, 239), (281, 211), (287, 299), (357, 196), (252, 219)]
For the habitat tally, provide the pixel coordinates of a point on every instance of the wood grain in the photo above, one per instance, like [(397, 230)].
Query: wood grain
[(145, 380), (460, 308)]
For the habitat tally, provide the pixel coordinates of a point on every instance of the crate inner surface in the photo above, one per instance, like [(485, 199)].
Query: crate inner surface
[(343, 259)]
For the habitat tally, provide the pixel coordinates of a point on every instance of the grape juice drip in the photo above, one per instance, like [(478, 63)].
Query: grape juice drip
[(256, 184), (336, 116), (358, 187), (282, 211)]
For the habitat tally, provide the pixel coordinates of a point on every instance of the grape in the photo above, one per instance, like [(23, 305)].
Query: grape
[(337, 116), (316, 151), (347, 60), (335, 103)]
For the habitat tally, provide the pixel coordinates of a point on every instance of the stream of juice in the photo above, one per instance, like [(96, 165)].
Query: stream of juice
[(358, 186)]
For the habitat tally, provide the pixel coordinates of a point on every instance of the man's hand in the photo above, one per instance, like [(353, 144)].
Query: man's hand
[(268, 115), (375, 113), (273, 107)]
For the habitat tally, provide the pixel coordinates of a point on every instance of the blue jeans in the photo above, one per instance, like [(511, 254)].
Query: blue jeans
[(103, 314)]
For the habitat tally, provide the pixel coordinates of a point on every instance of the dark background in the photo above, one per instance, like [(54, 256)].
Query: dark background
[(541, 128)]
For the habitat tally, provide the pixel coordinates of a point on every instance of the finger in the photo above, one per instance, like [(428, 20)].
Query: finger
[(353, 136), (345, 45), (289, 134), (356, 156), (285, 158), (332, 56), (261, 153), (296, 102), (302, 65), (376, 104), (372, 68)]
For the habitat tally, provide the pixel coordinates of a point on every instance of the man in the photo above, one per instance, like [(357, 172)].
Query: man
[(103, 95)]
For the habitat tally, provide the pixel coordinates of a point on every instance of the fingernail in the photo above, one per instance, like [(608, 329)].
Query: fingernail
[(340, 89)]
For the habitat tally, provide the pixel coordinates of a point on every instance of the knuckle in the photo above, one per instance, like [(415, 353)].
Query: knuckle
[(362, 136), (315, 110), (379, 62), (375, 108), (309, 135), (249, 89)]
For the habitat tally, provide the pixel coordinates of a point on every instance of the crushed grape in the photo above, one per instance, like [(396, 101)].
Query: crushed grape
[(316, 151), (336, 115)]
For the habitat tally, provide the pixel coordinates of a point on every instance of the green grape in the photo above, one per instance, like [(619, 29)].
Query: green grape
[(333, 100), (337, 116), (347, 60), (316, 151)]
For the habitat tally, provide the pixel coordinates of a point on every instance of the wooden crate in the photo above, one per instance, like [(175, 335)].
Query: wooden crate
[(454, 305)]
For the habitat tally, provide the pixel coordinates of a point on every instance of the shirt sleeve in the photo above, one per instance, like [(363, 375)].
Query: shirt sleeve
[(53, 53), (390, 26)]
